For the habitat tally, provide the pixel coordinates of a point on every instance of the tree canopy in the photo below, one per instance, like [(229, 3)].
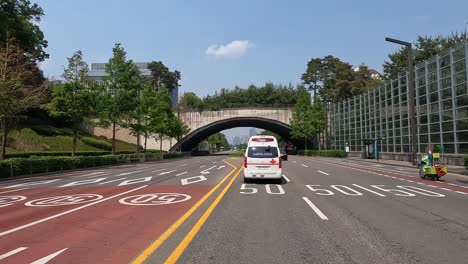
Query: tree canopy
[(424, 48), (19, 19)]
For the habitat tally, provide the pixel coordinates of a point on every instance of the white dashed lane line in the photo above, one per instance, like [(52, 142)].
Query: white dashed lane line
[(303, 165), (286, 178), (182, 173), (323, 172), (166, 172), (112, 181), (315, 208)]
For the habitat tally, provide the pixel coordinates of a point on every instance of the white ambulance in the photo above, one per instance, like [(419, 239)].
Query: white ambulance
[(262, 159)]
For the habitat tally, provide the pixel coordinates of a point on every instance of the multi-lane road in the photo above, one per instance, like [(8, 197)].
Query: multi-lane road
[(198, 210)]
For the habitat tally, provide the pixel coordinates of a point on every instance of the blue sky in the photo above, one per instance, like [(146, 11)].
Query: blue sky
[(220, 44)]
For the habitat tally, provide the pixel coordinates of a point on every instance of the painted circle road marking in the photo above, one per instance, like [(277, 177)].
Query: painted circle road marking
[(9, 200), (71, 199), (155, 199)]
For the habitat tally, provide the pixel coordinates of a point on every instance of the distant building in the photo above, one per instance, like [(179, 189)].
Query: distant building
[(373, 73), (98, 71)]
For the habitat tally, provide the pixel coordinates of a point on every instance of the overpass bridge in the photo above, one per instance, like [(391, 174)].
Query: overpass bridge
[(205, 123)]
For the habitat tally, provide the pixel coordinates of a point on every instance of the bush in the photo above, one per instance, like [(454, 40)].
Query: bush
[(44, 164), (239, 153), (335, 153), (466, 161), (101, 144), (52, 131)]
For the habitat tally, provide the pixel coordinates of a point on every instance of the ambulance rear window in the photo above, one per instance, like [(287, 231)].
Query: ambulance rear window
[(262, 152)]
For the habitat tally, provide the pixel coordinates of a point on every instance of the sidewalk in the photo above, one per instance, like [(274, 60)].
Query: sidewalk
[(451, 168)]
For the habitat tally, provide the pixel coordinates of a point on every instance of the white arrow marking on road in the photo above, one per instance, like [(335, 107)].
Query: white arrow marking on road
[(286, 178), (206, 171), (67, 212), (303, 165), (14, 190), (11, 253), (315, 208), (166, 172), (83, 182), (182, 173), (323, 172), (112, 181), (133, 181), (198, 179), (128, 173), (50, 257), (220, 167)]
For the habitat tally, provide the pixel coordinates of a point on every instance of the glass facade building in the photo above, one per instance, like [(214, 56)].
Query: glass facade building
[(441, 100)]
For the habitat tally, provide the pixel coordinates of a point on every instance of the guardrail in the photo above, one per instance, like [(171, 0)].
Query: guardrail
[(37, 165)]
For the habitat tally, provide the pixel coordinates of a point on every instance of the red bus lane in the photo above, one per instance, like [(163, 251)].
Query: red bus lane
[(110, 231)]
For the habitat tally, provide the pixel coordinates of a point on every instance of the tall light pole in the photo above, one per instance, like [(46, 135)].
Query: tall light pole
[(410, 85)]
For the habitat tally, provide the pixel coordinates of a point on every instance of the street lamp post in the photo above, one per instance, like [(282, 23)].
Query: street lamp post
[(410, 93)]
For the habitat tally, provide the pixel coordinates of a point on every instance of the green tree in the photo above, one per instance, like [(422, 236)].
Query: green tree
[(302, 126), (318, 117), (18, 90), (161, 115), (314, 75), (119, 92), (425, 47), (190, 101), (217, 140), (72, 100), (163, 77), (19, 19)]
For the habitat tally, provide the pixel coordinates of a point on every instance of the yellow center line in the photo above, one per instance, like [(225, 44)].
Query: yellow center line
[(193, 232), (158, 242)]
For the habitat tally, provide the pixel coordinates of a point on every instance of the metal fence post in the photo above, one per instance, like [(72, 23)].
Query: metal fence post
[(11, 169)]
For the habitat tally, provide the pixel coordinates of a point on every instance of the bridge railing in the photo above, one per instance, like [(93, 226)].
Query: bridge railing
[(269, 107)]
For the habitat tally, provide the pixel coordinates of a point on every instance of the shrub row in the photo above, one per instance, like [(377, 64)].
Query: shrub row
[(101, 144), (27, 154), (34, 165), (465, 159), (336, 153)]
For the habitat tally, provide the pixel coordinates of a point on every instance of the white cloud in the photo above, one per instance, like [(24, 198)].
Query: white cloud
[(235, 49)]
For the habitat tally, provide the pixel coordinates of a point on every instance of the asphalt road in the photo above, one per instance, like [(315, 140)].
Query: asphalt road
[(198, 210)]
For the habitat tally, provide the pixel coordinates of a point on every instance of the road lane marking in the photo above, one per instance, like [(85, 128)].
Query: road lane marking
[(83, 182), (158, 170), (185, 164), (286, 178), (214, 161), (182, 173), (195, 179), (166, 172), (196, 228), (202, 166), (460, 192), (369, 190), (14, 190), (206, 170), (112, 181), (158, 242), (303, 165), (294, 161), (315, 208), (134, 181), (323, 172), (67, 212), (220, 167), (31, 183), (46, 259), (13, 252), (89, 174), (128, 173)]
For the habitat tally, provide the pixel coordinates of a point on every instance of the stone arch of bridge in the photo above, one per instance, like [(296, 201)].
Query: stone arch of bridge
[(192, 139)]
